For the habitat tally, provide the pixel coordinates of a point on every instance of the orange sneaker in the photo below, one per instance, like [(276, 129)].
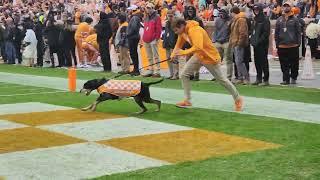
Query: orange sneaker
[(184, 104), (238, 104)]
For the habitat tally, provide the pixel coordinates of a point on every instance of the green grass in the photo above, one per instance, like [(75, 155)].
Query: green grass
[(299, 158), (273, 92)]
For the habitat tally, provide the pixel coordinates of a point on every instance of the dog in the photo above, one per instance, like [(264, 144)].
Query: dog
[(143, 95)]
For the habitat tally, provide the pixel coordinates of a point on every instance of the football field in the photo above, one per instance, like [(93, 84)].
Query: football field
[(44, 135)]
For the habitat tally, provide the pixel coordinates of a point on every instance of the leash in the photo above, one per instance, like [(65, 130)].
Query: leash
[(174, 62)]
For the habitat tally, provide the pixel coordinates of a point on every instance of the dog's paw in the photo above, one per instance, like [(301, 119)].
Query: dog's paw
[(92, 110), (141, 112)]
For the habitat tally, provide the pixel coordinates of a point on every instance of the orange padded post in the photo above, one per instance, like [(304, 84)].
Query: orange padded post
[(72, 76)]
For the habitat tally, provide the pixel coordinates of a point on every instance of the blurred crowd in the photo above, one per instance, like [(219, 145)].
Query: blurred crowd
[(83, 34)]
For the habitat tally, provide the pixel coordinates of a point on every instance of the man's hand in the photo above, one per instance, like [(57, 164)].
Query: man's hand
[(176, 53)]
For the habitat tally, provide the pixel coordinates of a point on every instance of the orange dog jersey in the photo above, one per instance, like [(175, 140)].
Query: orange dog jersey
[(121, 88)]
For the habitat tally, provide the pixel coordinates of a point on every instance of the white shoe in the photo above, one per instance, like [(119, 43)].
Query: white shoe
[(100, 63)]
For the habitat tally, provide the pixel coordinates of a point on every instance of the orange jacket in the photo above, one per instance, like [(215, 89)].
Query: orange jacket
[(201, 44), (77, 18), (239, 31)]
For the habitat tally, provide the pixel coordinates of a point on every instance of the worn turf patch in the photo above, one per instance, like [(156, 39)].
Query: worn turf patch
[(190, 145), (57, 117)]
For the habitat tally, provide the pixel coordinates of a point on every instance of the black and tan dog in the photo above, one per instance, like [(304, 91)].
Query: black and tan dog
[(142, 96)]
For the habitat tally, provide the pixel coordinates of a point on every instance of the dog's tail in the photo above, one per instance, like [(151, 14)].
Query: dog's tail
[(152, 83)]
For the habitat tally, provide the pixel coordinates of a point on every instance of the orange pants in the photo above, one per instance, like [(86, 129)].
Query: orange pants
[(91, 51)]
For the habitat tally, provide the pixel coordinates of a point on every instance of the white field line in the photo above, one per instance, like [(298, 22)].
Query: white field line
[(289, 87), (32, 89), (26, 94), (11, 86)]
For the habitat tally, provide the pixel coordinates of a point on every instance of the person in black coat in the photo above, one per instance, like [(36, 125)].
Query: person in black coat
[(39, 30), (104, 33), (134, 38), (52, 33), (19, 34), (68, 42), (169, 38), (260, 42)]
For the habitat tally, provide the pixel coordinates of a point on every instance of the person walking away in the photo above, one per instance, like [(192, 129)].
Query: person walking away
[(69, 43), (19, 34), (151, 36), (121, 42), (288, 38), (239, 41), (260, 42), (169, 41), (52, 32), (133, 36), (82, 32), (104, 33), (39, 29), (30, 47), (221, 38), (203, 54)]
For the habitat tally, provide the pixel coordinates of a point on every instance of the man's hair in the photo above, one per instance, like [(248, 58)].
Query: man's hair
[(178, 22), (235, 10), (88, 20), (122, 17)]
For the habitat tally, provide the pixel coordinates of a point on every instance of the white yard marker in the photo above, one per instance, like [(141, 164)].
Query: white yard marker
[(115, 128), (10, 125), (29, 107)]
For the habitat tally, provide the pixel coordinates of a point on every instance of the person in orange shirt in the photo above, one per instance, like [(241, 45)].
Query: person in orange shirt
[(82, 32), (204, 53), (77, 16), (91, 47)]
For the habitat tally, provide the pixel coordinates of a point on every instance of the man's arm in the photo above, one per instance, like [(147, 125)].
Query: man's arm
[(298, 30), (158, 28), (180, 42), (196, 37), (276, 33)]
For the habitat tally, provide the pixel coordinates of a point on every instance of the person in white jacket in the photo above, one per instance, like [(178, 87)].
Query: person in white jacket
[(30, 47)]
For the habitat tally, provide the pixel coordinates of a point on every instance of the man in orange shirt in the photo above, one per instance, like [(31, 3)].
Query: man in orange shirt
[(203, 54), (82, 32)]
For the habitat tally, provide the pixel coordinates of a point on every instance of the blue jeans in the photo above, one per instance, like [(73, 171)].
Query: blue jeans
[(10, 51), (243, 73)]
